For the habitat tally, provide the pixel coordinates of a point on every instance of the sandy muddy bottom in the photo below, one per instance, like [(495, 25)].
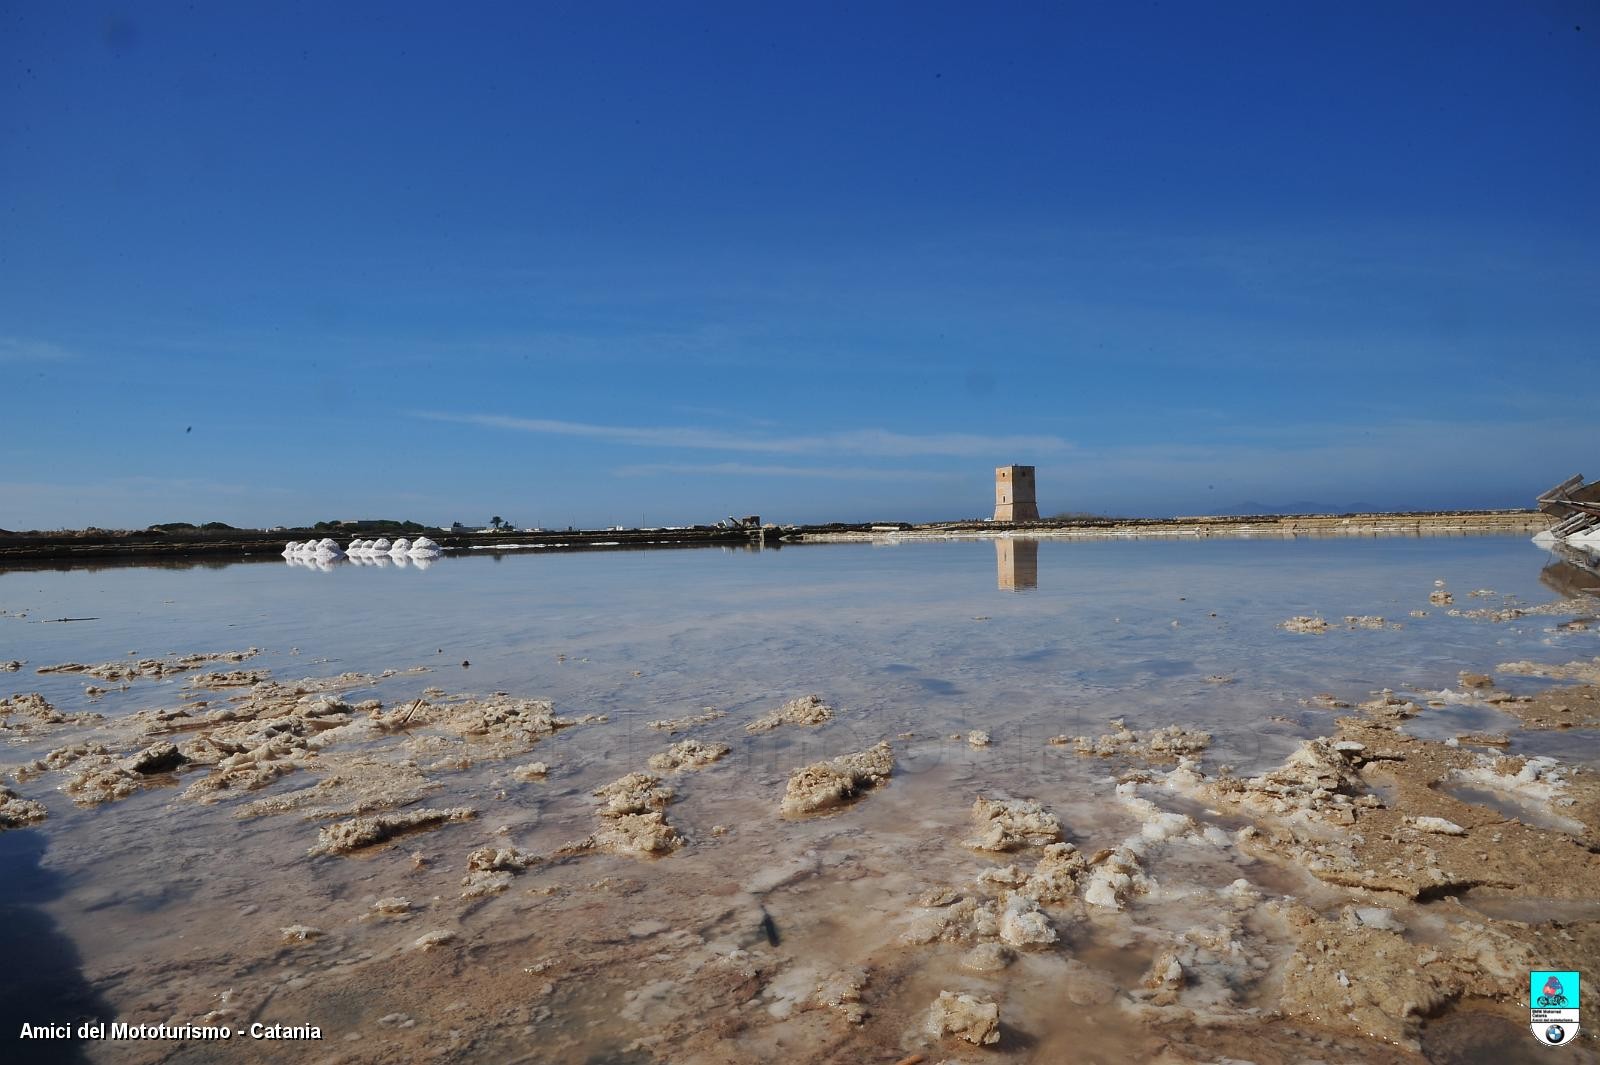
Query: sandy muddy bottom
[(833, 803)]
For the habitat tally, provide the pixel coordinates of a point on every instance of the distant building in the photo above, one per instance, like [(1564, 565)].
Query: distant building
[(1013, 494)]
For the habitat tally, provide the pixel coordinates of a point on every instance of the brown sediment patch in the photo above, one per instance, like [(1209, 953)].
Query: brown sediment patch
[(1013, 919), (966, 1017), (642, 967), (160, 757), (233, 678), (1055, 878), (842, 992), (1369, 621), (824, 785), (966, 920), (1185, 1041), (1389, 709), (1574, 706), (1304, 624), (1151, 745), (1318, 782), (1559, 708), (1011, 824), (1115, 875), (1012, 915), (806, 710), (554, 968), (348, 836), (12, 665), (490, 870), (301, 933), (60, 758), (1483, 739), (1208, 970), (28, 712), (643, 834), (249, 769), (688, 754), (102, 778), (273, 729), (1322, 812), (15, 811), (1557, 608), (1361, 972), (318, 685), (1376, 981), (631, 819), (499, 860), (501, 725), (355, 785), (678, 724), (437, 938), (395, 906), (154, 668), (636, 793)]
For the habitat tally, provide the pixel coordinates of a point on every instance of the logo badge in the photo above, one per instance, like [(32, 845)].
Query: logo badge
[(1553, 1006)]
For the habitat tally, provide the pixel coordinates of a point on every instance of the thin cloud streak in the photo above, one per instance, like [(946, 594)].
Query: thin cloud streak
[(16, 349), (745, 469), (881, 443)]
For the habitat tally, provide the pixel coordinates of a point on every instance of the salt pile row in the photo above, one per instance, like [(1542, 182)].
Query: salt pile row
[(331, 563), (422, 561), (327, 549), (421, 547)]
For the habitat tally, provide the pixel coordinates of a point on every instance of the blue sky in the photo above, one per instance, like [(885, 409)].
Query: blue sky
[(592, 264)]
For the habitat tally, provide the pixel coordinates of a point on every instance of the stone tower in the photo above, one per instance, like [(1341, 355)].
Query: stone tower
[(1013, 494)]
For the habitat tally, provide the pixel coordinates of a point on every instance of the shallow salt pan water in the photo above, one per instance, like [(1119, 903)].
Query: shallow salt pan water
[(156, 909), (915, 632)]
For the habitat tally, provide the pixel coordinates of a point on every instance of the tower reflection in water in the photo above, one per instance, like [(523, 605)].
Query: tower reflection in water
[(1017, 564)]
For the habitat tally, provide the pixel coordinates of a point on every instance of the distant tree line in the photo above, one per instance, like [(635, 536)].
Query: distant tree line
[(372, 525), (182, 526)]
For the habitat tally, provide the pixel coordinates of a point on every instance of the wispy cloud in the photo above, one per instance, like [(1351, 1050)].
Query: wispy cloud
[(16, 349), (879, 443), (832, 473)]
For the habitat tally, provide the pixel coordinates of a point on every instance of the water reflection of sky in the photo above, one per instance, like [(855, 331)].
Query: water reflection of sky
[(916, 633)]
